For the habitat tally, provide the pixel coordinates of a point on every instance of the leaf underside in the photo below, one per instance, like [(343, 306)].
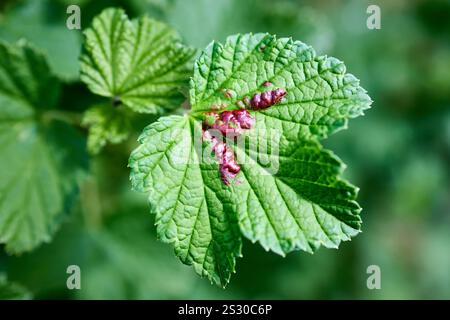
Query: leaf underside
[(40, 160), (302, 204)]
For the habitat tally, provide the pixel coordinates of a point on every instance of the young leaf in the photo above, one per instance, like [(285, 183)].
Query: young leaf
[(41, 159), (288, 194), (106, 125), (140, 63)]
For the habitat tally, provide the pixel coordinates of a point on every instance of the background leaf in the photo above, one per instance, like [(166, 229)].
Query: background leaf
[(138, 63), (42, 159), (45, 24), (12, 291)]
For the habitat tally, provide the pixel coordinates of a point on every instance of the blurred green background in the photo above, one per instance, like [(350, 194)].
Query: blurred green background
[(398, 154)]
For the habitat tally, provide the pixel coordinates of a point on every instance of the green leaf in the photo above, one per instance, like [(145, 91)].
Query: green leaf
[(106, 124), (289, 194), (139, 63), (12, 291), (42, 159), (321, 96), (46, 28), (189, 212)]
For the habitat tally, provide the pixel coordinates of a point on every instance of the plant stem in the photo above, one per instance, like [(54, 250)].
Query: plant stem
[(73, 118)]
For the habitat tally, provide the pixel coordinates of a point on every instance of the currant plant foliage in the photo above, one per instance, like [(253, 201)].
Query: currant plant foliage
[(42, 158), (106, 124), (302, 205), (141, 65), (205, 197)]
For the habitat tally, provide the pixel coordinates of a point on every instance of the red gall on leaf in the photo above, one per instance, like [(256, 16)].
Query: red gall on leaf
[(228, 123), (266, 99), (228, 167), (244, 118)]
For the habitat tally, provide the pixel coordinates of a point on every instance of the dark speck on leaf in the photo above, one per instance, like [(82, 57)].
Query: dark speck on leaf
[(116, 101)]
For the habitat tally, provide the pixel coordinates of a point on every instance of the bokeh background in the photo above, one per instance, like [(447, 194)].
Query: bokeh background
[(398, 154)]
